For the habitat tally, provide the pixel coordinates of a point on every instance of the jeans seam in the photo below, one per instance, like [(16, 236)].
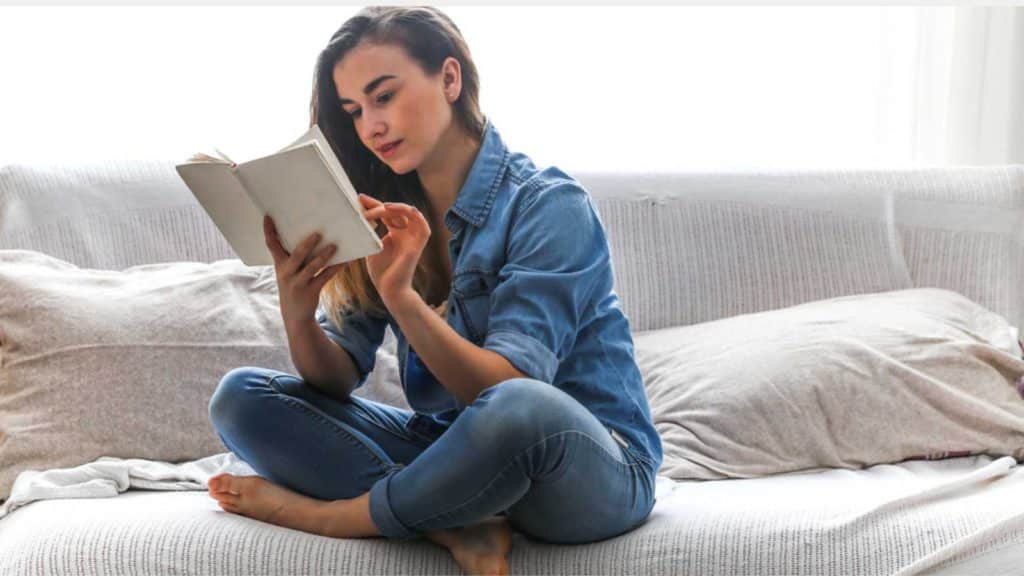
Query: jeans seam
[(358, 411), (639, 455), (366, 418), (627, 462), (386, 466), (512, 461), (418, 436)]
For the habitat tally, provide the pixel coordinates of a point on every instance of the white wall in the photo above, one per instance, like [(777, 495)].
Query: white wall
[(602, 87)]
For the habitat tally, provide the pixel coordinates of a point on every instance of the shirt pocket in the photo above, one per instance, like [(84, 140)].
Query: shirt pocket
[(471, 291)]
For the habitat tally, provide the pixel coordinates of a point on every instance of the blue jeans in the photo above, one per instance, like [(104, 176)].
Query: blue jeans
[(523, 449)]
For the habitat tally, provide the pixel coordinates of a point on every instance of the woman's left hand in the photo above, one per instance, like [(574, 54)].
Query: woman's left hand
[(391, 269)]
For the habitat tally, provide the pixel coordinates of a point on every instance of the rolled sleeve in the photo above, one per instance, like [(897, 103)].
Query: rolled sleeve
[(525, 353), (360, 335), (557, 261)]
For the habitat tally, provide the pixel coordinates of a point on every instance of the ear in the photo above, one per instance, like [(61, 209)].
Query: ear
[(451, 75)]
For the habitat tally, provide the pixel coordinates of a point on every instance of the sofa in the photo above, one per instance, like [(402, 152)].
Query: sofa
[(689, 250)]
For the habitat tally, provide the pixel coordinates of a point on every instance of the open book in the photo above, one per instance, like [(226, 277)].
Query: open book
[(304, 189)]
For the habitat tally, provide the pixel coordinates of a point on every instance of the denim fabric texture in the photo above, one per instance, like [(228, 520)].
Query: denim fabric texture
[(523, 449), (568, 453)]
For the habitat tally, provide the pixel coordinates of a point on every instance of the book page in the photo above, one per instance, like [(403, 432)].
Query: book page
[(218, 190), (308, 136), (316, 137), (301, 193)]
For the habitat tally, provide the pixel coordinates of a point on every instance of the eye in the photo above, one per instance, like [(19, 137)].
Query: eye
[(380, 99)]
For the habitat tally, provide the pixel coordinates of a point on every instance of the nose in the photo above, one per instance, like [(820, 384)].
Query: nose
[(372, 126)]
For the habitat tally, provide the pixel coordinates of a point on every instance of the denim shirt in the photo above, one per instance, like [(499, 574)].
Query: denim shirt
[(532, 281)]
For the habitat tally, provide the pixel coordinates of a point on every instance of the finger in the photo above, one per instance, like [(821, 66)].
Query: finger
[(398, 213), (324, 277), (417, 215), (314, 265), (277, 252), (400, 208), (386, 215), (375, 213), (409, 212), (302, 252), (397, 221), (369, 201)]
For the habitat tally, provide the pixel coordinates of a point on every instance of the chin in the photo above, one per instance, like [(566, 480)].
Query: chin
[(402, 167)]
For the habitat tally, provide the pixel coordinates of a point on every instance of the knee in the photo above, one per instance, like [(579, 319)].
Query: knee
[(525, 408), (228, 398), (525, 392)]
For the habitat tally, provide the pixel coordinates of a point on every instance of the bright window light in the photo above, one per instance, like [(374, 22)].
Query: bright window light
[(651, 88)]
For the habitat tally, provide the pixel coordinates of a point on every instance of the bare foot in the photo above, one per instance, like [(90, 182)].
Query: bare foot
[(480, 548), (263, 500)]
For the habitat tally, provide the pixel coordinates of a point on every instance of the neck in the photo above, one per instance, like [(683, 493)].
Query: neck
[(443, 174)]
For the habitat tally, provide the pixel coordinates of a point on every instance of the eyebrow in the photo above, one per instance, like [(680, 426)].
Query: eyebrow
[(370, 87)]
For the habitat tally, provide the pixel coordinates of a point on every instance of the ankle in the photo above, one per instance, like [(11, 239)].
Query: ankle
[(347, 518)]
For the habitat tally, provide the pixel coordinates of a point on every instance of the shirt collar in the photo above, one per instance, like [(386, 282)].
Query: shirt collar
[(476, 196)]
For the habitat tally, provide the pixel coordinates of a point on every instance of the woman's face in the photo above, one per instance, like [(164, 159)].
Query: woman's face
[(390, 99)]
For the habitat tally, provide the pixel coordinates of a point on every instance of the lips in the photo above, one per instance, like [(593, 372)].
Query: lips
[(388, 146)]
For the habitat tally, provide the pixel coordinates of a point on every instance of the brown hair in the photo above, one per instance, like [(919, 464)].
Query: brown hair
[(428, 37)]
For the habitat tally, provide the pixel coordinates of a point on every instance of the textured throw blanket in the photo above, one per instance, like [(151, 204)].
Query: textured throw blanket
[(894, 519)]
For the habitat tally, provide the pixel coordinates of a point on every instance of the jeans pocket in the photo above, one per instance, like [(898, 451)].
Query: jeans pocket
[(633, 452)]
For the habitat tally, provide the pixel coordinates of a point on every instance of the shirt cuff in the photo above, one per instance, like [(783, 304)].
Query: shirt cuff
[(364, 355), (526, 353), (363, 366)]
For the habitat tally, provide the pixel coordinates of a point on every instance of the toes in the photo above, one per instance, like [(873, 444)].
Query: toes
[(214, 483), (226, 483), (489, 566), (223, 484), (227, 497), (498, 566)]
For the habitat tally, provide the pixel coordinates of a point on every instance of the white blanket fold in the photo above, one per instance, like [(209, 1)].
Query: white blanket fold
[(107, 476)]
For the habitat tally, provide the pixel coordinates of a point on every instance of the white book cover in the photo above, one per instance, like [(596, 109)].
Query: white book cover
[(303, 187)]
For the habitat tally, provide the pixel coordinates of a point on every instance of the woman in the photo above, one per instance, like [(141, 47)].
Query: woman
[(528, 407)]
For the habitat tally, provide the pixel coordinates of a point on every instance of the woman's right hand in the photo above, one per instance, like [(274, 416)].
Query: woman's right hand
[(298, 283)]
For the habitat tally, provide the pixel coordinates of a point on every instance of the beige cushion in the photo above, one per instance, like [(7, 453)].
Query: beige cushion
[(123, 363), (840, 383)]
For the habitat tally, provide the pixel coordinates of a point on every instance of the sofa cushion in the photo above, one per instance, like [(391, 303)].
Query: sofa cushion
[(696, 247), (691, 248), (842, 383), (948, 517), (123, 363), (106, 215), (686, 247)]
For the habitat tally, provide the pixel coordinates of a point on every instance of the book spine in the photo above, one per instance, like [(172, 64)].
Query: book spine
[(240, 178), (252, 197)]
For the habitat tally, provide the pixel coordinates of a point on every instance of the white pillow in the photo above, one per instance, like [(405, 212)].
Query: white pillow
[(841, 383), (123, 363)]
